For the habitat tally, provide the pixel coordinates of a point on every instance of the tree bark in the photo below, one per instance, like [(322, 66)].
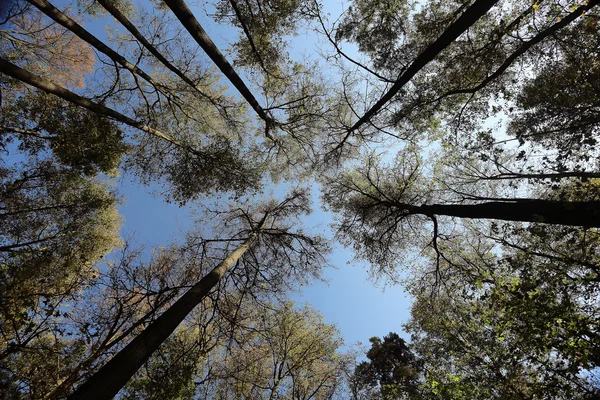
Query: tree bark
[(185, 15), (577, 213), (457, 28), (107, 382)]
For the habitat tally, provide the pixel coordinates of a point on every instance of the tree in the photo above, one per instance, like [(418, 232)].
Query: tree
[(503, 336), (264, 26), (272, 239), (444, 76), (171, 371), (508, 311), (44, 48), (465, 21), (86, 142), (182, 151), (392, 368), (276, 350), (282, 352), (55, 226)]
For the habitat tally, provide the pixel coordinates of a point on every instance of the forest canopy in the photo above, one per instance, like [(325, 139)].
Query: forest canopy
[(451, 144)]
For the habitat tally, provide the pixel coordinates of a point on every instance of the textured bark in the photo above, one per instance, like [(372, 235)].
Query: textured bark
[(78, 30), (458, 27), (107, 382), (585, 214), (16, 72), (185, 15)]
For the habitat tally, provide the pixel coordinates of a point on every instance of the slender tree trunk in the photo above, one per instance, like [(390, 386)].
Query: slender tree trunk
[(119, 16), (549, 175), (586, 214), (185, 15), (16, 72), (83, 34), (457, 28), (107, 382)]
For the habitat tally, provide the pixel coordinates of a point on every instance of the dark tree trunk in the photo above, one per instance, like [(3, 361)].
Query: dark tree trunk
[(107, 382), (16, 72), (185, 15), (549, 175), (585, 214), (457, 28)]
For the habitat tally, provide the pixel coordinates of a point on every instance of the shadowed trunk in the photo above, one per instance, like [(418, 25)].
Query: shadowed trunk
[(16, 72), (109, 379), (550, 175), (185, 15), (457, 28), (586, 214)]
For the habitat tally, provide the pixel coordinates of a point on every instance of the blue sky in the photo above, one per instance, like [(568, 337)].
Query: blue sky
[(349, 299)]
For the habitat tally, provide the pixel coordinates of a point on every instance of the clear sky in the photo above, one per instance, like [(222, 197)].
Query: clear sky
[(349, 299)]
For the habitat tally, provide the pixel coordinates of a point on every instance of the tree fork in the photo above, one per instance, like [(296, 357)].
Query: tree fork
[(108, 380)]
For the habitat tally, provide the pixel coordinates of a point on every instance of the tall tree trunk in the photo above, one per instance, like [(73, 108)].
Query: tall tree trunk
[(541, 175), (16, 72), (119, 16), (185, 15), (83, 34), (457, 28), (580, 213), (107, 382)]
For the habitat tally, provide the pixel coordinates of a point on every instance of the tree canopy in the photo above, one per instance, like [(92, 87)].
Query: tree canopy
[(454, 144)]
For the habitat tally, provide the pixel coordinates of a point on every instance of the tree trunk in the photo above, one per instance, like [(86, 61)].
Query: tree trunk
[(549, 175), (185, 15), (578, 213), (118, 15), (83, 34), (457, 28), (107, 382), (16, 72)]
